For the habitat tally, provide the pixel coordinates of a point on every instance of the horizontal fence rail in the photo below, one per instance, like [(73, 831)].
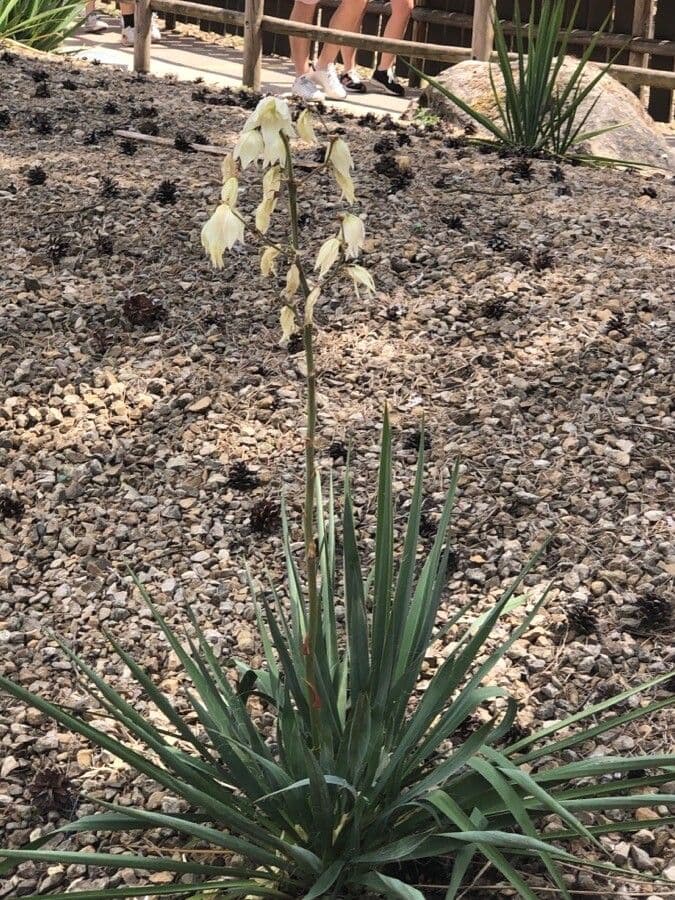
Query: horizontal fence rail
[(254, 22)]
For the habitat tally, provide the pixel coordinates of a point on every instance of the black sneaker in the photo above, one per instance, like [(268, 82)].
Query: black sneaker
[(386, 78), (352, 83)]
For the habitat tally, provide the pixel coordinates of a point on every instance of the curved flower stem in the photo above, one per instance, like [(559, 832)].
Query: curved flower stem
[(314, 618)]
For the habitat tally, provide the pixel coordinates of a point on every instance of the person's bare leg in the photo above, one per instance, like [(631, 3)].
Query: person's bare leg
[(127, 9), (303, 13), (396, 26), (304, 85), (347, 17)]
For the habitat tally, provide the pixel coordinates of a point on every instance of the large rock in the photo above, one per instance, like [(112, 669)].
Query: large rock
[(638, 139)]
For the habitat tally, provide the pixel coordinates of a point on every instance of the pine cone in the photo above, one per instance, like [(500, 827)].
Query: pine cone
[(241, 478), (11, 507), (497, 242), (582, 618), (52, 791), (140, 309), (265, 517), (165, 193), (36, 175), (413, 438), (655, 611), (338, 451), (494, 309)]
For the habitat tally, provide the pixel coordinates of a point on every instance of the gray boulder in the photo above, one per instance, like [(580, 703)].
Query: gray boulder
[(638, 139)]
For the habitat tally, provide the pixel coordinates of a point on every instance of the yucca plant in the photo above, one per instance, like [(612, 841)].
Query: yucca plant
[(359, 772), (534, 112), (362, 771), (40, 24)]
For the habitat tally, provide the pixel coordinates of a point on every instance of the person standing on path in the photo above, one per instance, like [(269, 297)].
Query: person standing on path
[(384, 72), (321, 81)]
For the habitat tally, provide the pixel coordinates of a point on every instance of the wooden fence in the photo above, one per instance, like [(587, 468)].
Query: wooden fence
[(442, 32)]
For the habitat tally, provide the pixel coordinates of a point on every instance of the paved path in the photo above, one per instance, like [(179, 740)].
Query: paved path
[(187, 57)]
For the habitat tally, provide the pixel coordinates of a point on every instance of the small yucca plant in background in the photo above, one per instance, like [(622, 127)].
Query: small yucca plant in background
[(41, 24), (534, 112), (361, 770)]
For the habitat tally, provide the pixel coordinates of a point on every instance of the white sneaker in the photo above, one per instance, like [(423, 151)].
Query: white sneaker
[(94, 25), (328, 81), (307, 89), (129, 33)]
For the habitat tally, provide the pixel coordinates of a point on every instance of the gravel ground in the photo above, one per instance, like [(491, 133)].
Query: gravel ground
[(524, 310)]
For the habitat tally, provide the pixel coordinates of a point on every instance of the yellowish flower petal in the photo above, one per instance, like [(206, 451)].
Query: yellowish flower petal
[(228, 167), (274, 147), (292, 281), (304, 126), (327, 255), (268, 261), (263, 213), (310, 302), (213, 240), (271, 180), (228, 193), (287, 321), (233, 229)]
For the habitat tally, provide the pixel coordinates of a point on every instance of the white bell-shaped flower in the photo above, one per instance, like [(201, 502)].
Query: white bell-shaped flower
[(221, 232), (354, 234), (249, 148), (339, 157), (361, 278)]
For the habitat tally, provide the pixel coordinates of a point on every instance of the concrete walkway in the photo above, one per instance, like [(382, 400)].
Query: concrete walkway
[(187, 57)]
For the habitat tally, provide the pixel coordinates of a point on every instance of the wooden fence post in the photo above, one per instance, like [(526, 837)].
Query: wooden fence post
[(143, 23), (483, 31), (253, 13), (643, 16)]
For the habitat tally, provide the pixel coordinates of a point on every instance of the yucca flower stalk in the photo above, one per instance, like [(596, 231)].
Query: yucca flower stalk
[(266, 137)]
